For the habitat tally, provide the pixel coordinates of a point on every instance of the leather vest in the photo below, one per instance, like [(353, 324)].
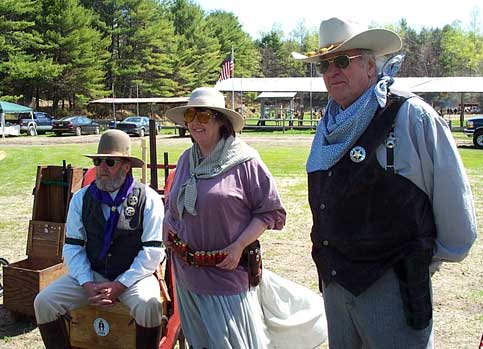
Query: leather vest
[(366, 219), (126, 241)]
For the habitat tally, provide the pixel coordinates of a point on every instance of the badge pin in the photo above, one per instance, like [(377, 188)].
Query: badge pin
[(132, 200), (130, 211), (358, 154)]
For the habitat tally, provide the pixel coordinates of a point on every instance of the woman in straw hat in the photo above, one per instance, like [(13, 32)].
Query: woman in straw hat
[(222, 199), (383, 173)]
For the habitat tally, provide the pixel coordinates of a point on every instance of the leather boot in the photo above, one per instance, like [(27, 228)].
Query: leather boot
[(147, 337), (54, 334)]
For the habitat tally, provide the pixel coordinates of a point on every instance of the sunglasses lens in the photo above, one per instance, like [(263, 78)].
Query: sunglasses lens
[(204, 117), (109, 162), (189, 115), (342, 61), (322, 66)]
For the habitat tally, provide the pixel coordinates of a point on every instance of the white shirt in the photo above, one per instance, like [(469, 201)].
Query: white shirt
[(426, 154), (148, 258)]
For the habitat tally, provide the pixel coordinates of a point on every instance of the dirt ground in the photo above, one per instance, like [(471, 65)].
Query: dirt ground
[(458, 291)]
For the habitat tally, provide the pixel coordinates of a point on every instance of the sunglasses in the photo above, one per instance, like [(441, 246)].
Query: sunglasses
[(342, 62), (110, 162), (204, 116)]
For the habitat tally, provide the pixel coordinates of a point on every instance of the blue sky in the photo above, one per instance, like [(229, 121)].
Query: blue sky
[(258, 16)]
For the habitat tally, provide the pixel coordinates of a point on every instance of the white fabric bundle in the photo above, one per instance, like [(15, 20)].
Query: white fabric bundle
[(293, 314)]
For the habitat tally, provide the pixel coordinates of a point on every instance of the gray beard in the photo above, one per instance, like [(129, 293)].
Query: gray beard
[(111, 185)]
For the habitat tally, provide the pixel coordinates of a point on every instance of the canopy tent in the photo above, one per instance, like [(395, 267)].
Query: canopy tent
[(11, 108), (7, 107)]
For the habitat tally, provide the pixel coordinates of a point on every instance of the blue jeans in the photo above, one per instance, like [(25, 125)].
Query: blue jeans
[(373, 320)]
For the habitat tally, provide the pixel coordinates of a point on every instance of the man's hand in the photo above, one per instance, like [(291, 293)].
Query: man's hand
[(106, 293), (90, 288)]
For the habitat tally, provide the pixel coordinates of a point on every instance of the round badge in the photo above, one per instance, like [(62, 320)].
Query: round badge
[(132, 200), (101, 327), (130, 211), (358, 154)]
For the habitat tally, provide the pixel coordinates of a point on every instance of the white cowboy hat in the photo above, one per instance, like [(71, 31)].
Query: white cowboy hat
[(116, 144), (208, 98), (336, 35)]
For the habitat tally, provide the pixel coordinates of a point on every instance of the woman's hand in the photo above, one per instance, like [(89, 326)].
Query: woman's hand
[(167, 230), (233, 255)]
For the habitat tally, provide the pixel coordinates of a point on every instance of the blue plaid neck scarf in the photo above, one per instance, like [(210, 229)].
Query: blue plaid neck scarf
[(339, 129), (105, 198)]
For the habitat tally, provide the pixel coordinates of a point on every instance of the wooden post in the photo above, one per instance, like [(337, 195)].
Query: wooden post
[(152, 154), (144, 157)]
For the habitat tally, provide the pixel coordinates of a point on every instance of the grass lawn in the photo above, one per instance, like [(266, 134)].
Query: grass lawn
[(457, 287)]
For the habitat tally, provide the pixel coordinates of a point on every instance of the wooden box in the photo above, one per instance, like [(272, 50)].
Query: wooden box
[(108, 327), (23, 280), (96, 327)]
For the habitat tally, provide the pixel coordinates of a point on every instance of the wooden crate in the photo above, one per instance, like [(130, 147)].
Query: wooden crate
[(96, 327), (53, 190), (23, 280), (118, 329)]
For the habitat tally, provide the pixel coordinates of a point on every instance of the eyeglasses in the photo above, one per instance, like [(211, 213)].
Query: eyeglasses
[(342, 62), (110, 162), (204, 116)]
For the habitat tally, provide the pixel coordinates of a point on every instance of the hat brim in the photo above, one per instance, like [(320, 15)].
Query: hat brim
[(135, 162), (177, 115), (380, 41)]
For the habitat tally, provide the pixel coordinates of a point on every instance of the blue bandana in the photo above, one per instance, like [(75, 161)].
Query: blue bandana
[(105, 198), (339, 129)]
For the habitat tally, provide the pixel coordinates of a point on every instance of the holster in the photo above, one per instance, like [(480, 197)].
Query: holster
[(415, 287), (251, 259)]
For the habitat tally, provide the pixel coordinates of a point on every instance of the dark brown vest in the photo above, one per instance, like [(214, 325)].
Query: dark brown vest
[(366, 219), (126, 242)]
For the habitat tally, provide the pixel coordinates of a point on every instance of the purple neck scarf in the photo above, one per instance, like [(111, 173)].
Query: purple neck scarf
[(105, 198)]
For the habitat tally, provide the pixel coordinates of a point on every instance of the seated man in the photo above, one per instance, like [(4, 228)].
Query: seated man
[(112, 248)]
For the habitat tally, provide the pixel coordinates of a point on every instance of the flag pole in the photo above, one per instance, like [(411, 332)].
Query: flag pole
[(232, 79)]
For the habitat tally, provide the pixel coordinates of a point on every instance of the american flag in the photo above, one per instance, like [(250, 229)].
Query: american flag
[(227, 68)]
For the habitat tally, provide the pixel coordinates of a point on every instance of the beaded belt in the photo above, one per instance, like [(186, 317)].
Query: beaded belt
[(197, 258)]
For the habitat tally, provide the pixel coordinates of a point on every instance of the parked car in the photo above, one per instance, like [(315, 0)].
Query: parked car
[(77, 124), (136, 125), (38, 122), (474, 128)]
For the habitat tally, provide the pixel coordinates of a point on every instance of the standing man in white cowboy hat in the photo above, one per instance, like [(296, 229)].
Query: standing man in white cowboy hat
[(112, 248), (388, 194)]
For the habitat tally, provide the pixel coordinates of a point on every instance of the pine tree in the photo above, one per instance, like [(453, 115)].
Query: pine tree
[(228, 30), (24, 68), (76, 48)]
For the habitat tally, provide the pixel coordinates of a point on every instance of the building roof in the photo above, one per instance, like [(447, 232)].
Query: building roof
[(316, 84), (159, 100), (281, 95)]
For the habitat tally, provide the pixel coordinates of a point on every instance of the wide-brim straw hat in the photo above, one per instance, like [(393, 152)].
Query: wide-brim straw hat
[(208, 98), (116, 144), (336, 35)]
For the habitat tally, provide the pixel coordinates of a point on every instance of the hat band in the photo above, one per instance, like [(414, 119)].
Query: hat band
[(324, 49)]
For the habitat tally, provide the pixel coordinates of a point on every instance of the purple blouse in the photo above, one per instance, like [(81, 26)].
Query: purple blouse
[(225, 204)]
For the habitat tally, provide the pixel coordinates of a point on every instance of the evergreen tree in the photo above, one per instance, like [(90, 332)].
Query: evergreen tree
[(75, 47), (272, 53), (198, 55), (24, 68), (228, 30)]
